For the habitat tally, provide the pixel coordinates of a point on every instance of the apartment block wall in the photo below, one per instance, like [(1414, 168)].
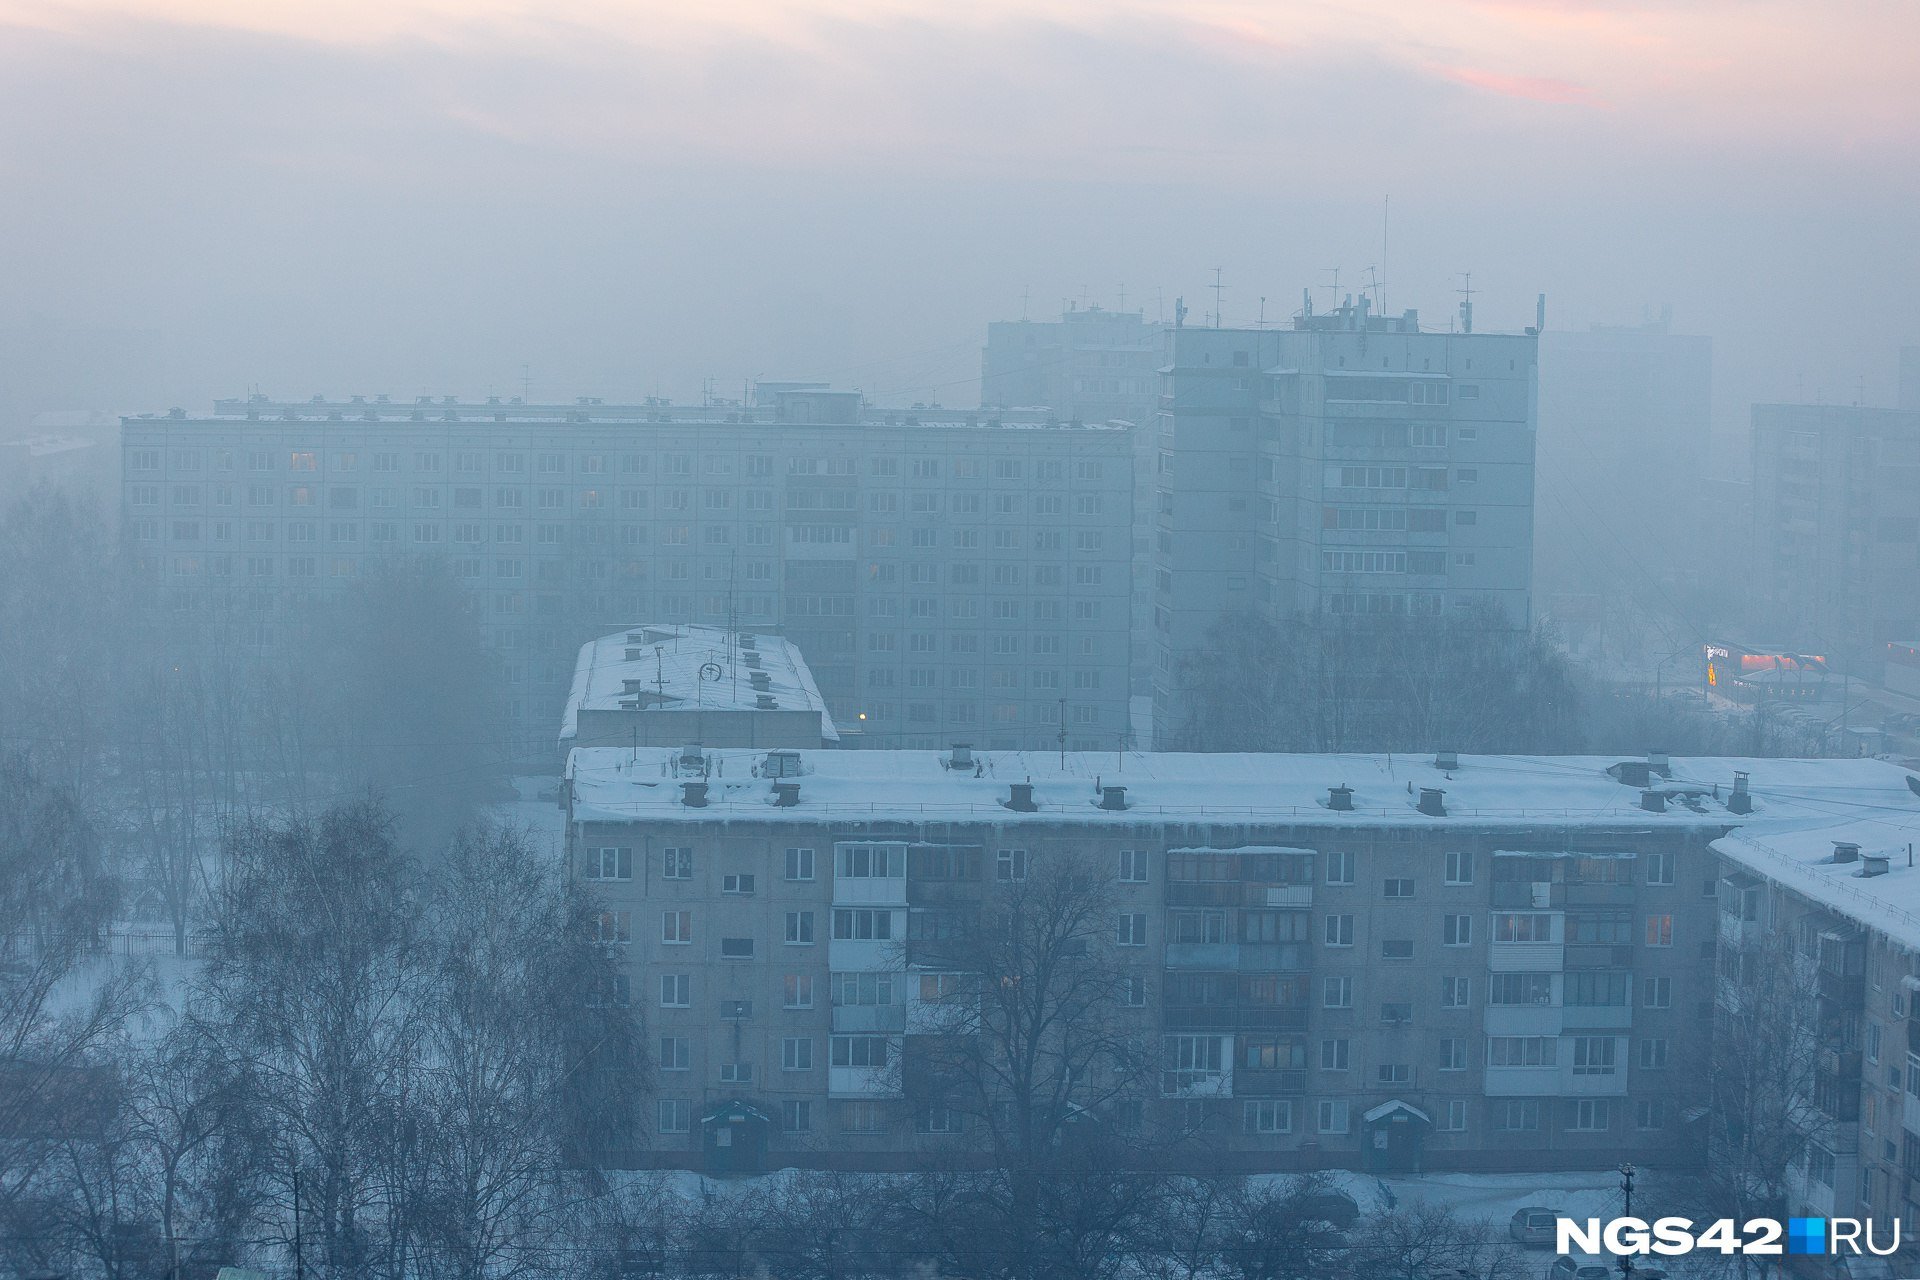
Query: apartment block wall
[(1295, 977), (1355, 466), (952, 579)]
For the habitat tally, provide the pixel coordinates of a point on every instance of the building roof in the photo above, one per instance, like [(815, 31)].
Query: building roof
[(1798, 856), (612, 785), (679, 667)]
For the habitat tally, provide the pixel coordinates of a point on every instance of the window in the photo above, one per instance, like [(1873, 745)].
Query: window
[(1653, 1054), (1336, 993), (1660, 930), (799, 864), (1453, 1054), (676, 864), (1333, 1115), (673, 1053), (675, 1115), (1656, 993), (1650, 1113), (736, 1072), (676, 990), (862, 924), (736, 948), (1268, 1116), (800, 928), (676, 926), (1455, 993), (1398, 887), (1593, 1055), (1660, 868), (1133, 866), (1589, 1115), (1520, 989), (1396, 948), (610, 864), (1522, 1051), (870, 861), (1509, 926), (1340, 866), (796, 1053), (859, 1051), (613, 927), (1335, 1055), (1516, 1115), (734, 883), (1597, 988), (1393, 1073), (1011, 865), (796, 1115), (796, 991), (1396, 1013), (1454, 1119), (1133, 991), (1133, 929), (1339, 931), (1459, 867), (1456, 931)]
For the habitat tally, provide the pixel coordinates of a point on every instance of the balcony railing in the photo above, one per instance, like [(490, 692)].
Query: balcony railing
[(1845, 989), (1268, 1084), (1231, 1017), (1599, 894)]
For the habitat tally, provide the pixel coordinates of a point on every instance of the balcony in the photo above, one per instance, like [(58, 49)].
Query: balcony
[(1232, 1017), (1599, 955), (1268, 1084), (861, 1082), (853, 1019), (1203, 955), (1522, 1082), (1913, 1033), (1841, 1062), (1849, 990), (1837, 1098), (1524, 1020), (944, 893), (1590, 1016), (1196, 1084), (1539, 894), (1599, 895), (1526, 957)]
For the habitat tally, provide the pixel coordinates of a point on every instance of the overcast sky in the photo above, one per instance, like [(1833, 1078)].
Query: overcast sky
[(423, 196)]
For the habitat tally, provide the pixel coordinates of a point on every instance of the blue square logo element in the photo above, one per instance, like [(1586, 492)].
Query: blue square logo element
[(1806, 1235)]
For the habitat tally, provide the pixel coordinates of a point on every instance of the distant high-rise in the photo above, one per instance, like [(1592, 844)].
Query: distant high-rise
[(1625, 434), (1352, 465), (1836, 534)]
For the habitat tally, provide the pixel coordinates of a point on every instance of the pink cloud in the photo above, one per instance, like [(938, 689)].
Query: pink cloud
[(1531, 88)]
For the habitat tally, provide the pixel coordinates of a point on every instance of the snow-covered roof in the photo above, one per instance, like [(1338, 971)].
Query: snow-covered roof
[(1798, 855), (684, 667), (613, 784)]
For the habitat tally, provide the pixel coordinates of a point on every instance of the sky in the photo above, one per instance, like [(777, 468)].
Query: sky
[(585, 197)]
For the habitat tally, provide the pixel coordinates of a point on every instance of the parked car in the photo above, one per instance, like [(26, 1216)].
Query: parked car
[(1533, 1225), (1335, 1208), (1584, 1266)]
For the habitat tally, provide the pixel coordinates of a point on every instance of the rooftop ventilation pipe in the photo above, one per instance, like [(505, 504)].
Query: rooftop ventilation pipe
[(1740, 801), (1340, 798), (1020, 797), (960, 756), (1873, 864), (1446, 760), (1653, 801), (1845, 851), (1433, 802), (786, 795), (693, 795), (1112, 797)]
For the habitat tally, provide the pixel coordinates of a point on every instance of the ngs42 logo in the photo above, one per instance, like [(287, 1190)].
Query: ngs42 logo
[(1765, 1237)]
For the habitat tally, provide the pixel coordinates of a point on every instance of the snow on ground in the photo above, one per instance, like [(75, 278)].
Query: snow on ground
[(537, 811)]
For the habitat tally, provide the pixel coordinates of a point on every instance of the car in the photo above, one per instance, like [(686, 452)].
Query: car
[(1533, 1225), (1336, 1208), (1583, 1266)]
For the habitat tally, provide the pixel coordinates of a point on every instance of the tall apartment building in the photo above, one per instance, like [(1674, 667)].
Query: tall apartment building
[(947, 573), (1353, 465), (1836, 536), (1090, 365), (1346, 961), (1625, 435), (1830, 912)]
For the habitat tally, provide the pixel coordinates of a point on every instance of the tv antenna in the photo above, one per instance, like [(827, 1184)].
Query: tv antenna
[(1466, 301), (1218, 290), (1333, 289)]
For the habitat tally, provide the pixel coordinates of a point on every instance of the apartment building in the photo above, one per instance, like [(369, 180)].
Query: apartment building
[(1831, 910), (1337, 961), (1091, 365), (949, 574), (1836, 540), (1351, 466)]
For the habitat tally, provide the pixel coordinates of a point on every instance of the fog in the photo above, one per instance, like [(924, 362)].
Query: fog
[(1030, 640)]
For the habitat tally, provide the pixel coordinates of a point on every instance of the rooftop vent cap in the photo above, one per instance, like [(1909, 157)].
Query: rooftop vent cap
[(786, 795), (1845, 851), (1658, 762), (1739, 782), (693, 795), (1433, 802), (1873, 864), (1653, 801), (1446, 760), (781, 764), (692, 757), (765, 702), (1633, 773), (1113, 797), (1341, 798), (960, 756), (1020, 797)]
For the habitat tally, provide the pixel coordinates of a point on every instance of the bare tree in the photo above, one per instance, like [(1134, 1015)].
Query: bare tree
[(1278, 1231), (1426, 1241)]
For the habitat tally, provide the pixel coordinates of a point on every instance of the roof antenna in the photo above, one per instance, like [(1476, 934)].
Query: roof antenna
[(1466, 302), (1218, 289), (1386, 204)]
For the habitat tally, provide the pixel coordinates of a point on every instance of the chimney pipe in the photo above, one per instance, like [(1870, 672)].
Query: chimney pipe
[(1653, 801), (1112, 797), (1340, 798), (786, 795), (1432, 802), (1845, 851), (693, 795), (1020, 797), (1447, 761)]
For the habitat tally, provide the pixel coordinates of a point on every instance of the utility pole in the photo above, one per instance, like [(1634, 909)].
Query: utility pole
[(1063, 733), (299, 1262), (1626, 1188)]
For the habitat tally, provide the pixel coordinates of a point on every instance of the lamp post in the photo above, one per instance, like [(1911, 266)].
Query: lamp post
[(1626, 1188)]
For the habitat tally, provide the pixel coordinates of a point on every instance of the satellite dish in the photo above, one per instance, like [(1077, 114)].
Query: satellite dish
[(1913, 784), (711, 672)]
